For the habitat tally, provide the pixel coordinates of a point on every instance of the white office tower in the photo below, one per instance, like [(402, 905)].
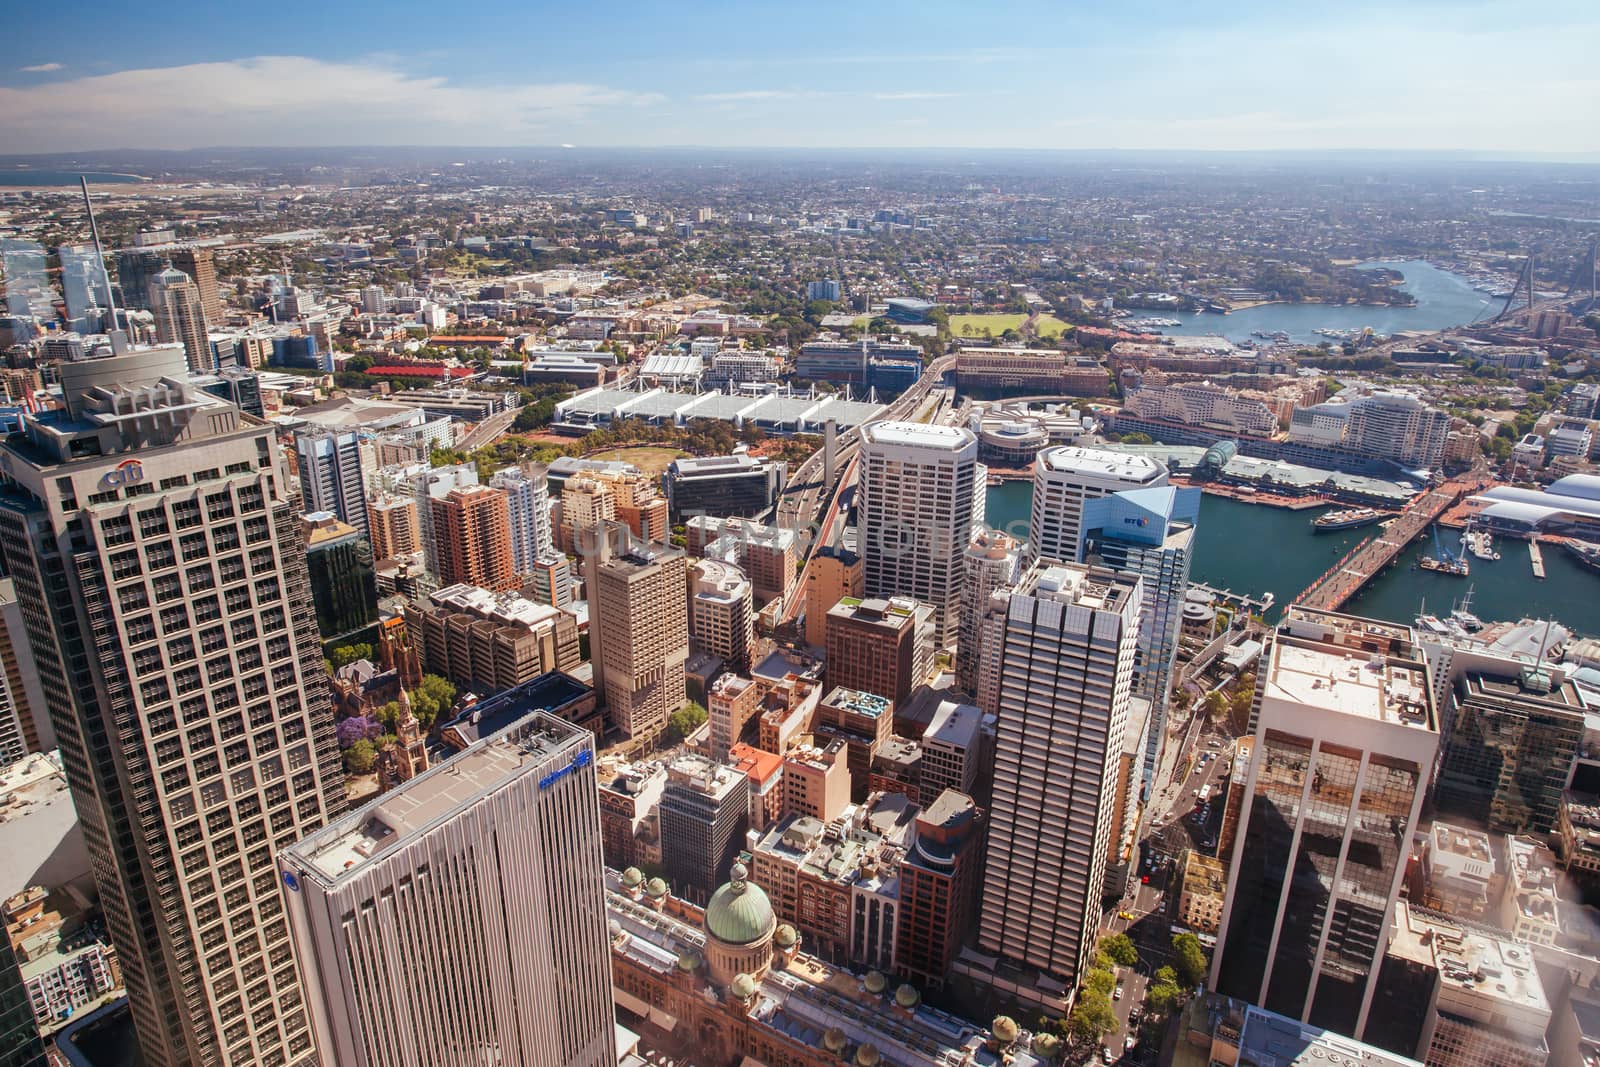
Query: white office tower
[(373, 302), (528, 497), (1344, 745), (1066, 672), (460, 918), (915, 515), (991, 562), (330, 476), (1065, 477), (153, 539)]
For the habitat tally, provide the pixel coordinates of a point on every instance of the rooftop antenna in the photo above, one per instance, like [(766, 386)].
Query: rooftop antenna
[(119, 338)]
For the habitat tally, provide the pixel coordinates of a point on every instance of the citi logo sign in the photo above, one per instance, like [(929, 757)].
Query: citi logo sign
[(128, 472)]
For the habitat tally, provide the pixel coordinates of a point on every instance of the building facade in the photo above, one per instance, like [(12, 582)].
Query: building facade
[(1064, 479), (915, 508), (833, 574), (1066, 673), (739, 485), (1344, 744), (879, 646), (479, 881), (993, 561), (169, 611), (528, 515), (472, 533), (704, 813), (344, 587), (638, 631), (331, 478)]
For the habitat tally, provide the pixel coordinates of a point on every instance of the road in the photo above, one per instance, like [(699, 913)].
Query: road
[(488, 431)]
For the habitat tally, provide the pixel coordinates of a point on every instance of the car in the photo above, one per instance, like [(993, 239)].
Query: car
[(1144, 879), (1106, 1055), (1133, 1017), (1128, 1043), (1213, 743), (1116, 994), (1125, 915)]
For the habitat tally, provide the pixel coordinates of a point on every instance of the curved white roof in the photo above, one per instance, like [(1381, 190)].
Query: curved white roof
[(1518, 511), (1586, 486)]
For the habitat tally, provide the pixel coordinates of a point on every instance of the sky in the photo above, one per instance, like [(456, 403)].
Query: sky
[(1514, 80)]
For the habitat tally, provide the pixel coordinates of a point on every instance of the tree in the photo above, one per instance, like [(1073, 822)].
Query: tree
[(345, 655), (431, 699), (1119, 949), (1092, 1017), (1189, 959), (1137, 438), (388, 715), (1160, 997), (683, 722), (360, 757), (357, 728), (1099, 981), (1214, 705)]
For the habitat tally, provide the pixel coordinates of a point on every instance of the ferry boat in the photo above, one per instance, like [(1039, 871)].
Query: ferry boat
[(1348, 519), (1585, 552)]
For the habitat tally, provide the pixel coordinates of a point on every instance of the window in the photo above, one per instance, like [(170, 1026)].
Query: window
[(194, 546), (167, 588), (152, 522), (116, 530), (186, 514), (200, 579), (174, 618), (225, 537), (180, 649), (160, 555), (133, 598), (207, 608), (141, 629)]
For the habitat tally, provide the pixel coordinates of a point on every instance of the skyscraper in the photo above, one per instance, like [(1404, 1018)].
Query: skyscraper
[(721, 620), (528, 502), (991, 562), (331, 478), (20, 1044), (426, 484), (461, 917), (83, 285), (200, 266), (472, 527), (344, 587), (136, 268), (1344, 744), (1064, 478), (395, 530), (24, 721), (153, 542), (1066, 669), (638, 628), (180, 318), (1148, 532), (833, 574), (915, 515), (704, 813)]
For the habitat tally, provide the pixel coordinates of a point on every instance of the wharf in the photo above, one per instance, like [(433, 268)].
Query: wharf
[(1537, 557)]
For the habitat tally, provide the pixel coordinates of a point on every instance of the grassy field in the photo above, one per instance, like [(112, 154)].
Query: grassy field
[(1047, 325), (650, 459)]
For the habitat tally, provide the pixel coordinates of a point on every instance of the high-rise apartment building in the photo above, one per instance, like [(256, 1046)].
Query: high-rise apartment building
[(426, 484), (952, 749), (992, 561), (331, 478), (703, 816), (1345, 741), (1148, 532), (393, 524), (1397, 425), (1066, 673), (1064, 478), (24, 721), (528, 501), (833, 574), (879, 646), (638, 630), (461, 917), (490, 642), (180, 318), (83, 285), (1511, 738), (721, 620), (200, 265), (915, 507), (472, 532), (153, 540)]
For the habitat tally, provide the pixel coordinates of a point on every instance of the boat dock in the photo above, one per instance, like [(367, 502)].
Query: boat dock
[(1371, 556), (1537, 557)]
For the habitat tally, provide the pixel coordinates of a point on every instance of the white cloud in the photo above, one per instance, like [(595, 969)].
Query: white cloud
[(913, 96), (292, 100), (762, 94), (41, 68)]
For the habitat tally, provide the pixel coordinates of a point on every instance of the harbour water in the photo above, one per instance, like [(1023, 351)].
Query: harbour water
[(1252, 549), (1443, 299)]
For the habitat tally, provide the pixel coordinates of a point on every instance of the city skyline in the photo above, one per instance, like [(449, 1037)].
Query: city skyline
[(1039, 77)]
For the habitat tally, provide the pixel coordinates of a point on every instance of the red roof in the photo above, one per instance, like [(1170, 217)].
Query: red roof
[(468, 339), (422, 370), (760, 765)]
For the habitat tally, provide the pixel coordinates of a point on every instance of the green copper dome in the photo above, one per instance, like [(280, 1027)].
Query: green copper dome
[(632, 877), (739, 913), (907, 997), (743, 987), (786, 937), (656, 888)]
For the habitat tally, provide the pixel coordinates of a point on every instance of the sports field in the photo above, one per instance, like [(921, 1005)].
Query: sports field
[(997, 323)]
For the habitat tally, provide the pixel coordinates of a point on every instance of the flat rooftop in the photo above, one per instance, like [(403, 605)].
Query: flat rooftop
[(1348, 681), (919, 435), (348, 845), (1078, 586), (1101, 463), (1471, 961), (1269, 1038), (954, 724)]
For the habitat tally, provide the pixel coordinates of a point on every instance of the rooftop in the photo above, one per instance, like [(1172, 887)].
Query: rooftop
[(953, 724), (342, 849), (1350, 665), (1268, 1039), (919, 435), (1101, 463), (1076, 585), (1471, 961)]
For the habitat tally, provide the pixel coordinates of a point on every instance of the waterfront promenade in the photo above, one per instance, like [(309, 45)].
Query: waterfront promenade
[(1366, 560)]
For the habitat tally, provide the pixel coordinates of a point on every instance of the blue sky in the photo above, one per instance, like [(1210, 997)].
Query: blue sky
[(1521, 80)]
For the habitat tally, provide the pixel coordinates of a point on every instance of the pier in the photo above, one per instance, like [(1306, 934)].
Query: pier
[(1537, 557), (1334, 588)]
